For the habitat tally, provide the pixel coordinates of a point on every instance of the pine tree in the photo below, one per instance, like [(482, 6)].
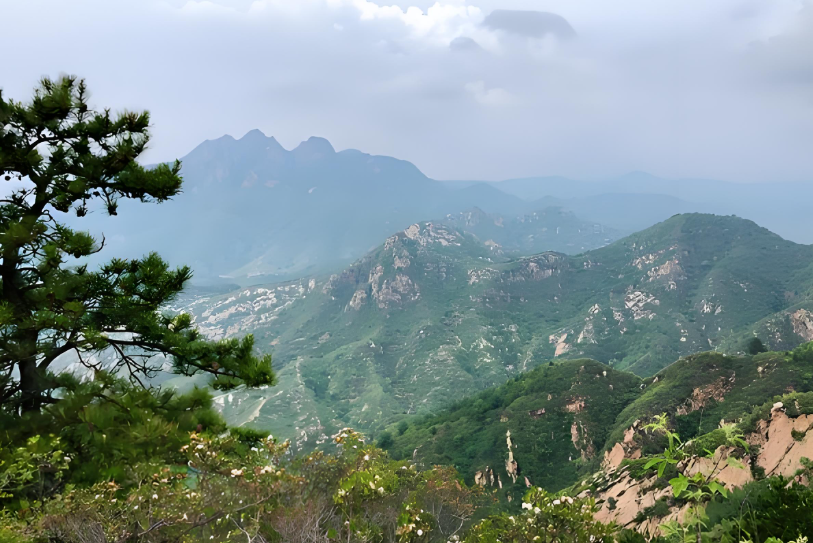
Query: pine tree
[(61, 156)]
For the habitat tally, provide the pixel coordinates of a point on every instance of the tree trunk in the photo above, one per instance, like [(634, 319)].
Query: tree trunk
[(31, 386)]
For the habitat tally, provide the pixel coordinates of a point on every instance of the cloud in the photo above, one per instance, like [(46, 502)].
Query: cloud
[(678, 87), (463, 43), (489, 97), (532, 24)]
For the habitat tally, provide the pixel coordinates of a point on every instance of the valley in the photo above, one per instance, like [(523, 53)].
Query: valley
[(436, 314)]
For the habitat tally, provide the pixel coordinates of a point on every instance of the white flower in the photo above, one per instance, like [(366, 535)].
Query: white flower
[(511, 519), (155, 496), (556, 502), (537, 510), (372, 485), (569, 500), (366, 457), (200, 446), (527, 506), (420, 532), (236, 473), (135, 508), (381, 490)]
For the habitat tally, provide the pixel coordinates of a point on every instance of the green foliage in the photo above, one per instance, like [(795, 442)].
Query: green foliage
[(772, 508), (65, 157), (240, 486), (755, 346), (545, 517), (539, 409), (403, 426), (385, 441)]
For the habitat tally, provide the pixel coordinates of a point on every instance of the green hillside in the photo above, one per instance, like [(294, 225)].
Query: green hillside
[(587, 408), (558, 417), (436, 314)]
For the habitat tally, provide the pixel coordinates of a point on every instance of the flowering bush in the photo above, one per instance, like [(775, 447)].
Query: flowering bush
[(545, 518)]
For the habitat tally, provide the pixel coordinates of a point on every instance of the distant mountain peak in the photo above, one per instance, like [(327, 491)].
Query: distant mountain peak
[(254, 134), (315, 147)]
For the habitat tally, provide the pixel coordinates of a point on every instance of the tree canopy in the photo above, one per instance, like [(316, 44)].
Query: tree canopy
[(58, 156)]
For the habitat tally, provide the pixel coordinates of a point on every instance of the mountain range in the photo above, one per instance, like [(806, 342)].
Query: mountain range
[(253, 212), (436, 313)]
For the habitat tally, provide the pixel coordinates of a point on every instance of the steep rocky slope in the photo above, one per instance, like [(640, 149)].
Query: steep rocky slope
[(435, 314), (780, 444), (558, 423)]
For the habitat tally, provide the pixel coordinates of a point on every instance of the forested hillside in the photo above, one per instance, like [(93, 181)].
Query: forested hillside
[(435, 314), (567, 419)]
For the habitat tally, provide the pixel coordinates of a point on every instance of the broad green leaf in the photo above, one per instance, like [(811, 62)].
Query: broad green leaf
[(679, 484)]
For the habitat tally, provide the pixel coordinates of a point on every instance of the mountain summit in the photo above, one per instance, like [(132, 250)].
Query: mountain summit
[(435, 313)]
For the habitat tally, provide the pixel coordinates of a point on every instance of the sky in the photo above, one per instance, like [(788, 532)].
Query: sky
[(465, 89)]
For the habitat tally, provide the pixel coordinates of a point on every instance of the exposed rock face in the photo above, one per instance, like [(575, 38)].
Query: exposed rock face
[(779, 454), (702, 396), (400, 289), (431, 233), (358, 299), (560, 340), (401, 262), (802, 321), (485, 477), (627, 449), (511, 466), (475, 276), (391, 291), (538, 267), (636, 301), (669, 271), (575, 405), (580, 440)]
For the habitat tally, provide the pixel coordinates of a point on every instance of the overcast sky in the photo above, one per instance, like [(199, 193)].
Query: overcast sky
[(584, 88)]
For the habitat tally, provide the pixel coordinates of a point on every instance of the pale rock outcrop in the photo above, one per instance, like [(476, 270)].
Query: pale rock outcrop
[(779, 454), (358, 299), (702, 396), (560, 341), (636, 301), (511, 466), (802, 321)]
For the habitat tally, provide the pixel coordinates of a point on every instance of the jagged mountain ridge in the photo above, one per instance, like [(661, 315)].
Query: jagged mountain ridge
[(435, 314), (252, 209)]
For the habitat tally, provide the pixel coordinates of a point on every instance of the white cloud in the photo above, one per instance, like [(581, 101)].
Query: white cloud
[(679, 87), (489, 97)]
